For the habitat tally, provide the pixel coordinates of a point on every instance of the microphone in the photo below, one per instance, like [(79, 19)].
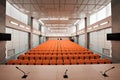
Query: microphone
[(65, 75), (104, 74), (25, 75)]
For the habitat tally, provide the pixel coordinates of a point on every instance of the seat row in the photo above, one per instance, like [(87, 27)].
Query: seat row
[(90, 56), (58, 53), (58, 62)]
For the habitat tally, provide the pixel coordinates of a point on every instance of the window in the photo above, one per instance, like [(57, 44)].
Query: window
[(13, 12), (103, 13)]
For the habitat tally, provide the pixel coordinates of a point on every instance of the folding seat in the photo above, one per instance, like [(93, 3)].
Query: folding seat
[(70, 56), (53, 62), (10, 62), (48, 57), (38, 62), (37, 57), (13, 62), (90, 52), (45, 62), (80, 61), (81, 56), (91, 56), (96, 56), (54, 57), (94, 61), (66, 61), (42, 57), (87, 61), (31, 62), (59, 57), (86, 56), (27, 53), (59, 62), (100, 61), (21, 56), (17, 62), (31, 57), (24, 62), (107, 61), (73, 61), (76, 56), (65, 56), (26, 57)]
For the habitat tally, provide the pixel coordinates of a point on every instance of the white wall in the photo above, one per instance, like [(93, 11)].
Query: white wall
[(82, 40), (35, 24), (35, 40), (18, 43), (98, 41)]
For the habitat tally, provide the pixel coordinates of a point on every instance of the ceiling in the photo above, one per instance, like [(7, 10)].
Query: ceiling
[(72, 10)]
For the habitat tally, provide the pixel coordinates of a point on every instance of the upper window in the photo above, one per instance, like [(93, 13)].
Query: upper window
[(13, 12), (103, 13)]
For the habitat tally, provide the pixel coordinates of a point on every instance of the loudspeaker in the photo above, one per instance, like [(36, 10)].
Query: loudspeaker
[(5, 37), (113, 36)]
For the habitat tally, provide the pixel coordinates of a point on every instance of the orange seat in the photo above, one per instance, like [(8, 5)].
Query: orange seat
[(59, 62), (96, 56), (80, 61), (38, 62), (66, 62), (73, 61), (107, 61), (100, 61), (31, 62), (24, 62), (94, 61), (76, 56), (21, 56), (87, 61), (52, 62), (81, 56), (45, 62)]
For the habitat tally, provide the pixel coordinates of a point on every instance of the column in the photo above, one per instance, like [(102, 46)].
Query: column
[(77, 36), (115, 29), (31, 34), (86, 35), (40, 34), (2, 29)]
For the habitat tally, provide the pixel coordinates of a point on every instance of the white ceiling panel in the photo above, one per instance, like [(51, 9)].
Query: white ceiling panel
[(74, 9), (85, 1), (71, 1)]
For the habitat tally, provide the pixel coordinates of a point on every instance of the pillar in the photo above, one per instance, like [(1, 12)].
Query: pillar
[(31, 34), (86, 35), (115, 29), (77, 36), (2, 29)]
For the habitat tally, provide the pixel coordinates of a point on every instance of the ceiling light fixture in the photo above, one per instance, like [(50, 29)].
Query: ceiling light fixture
[(41, 22), (54, 18), (76, 22)]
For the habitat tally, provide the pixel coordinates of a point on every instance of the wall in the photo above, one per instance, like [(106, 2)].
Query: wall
[(98, 42), (82, 40), (35, 40), (18, 43)]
